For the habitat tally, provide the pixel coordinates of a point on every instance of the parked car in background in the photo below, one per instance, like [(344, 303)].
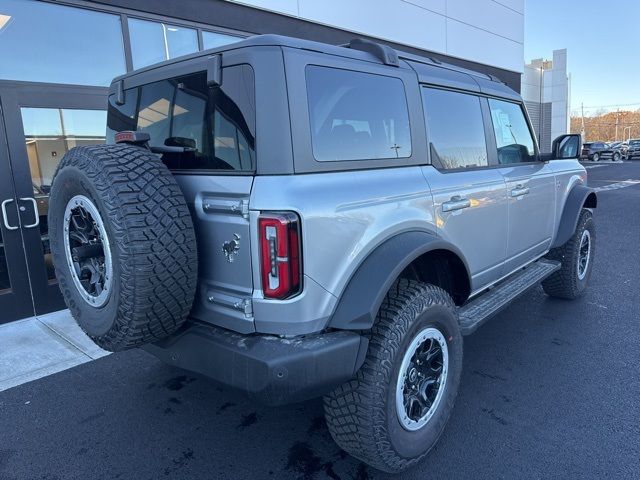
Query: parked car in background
[(634, 149), (597, 151), (621, 147)]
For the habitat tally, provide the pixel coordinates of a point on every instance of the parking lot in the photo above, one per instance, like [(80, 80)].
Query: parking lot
[(550, 389)]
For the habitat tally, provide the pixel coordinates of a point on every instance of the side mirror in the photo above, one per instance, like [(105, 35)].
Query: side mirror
[(567, 147)]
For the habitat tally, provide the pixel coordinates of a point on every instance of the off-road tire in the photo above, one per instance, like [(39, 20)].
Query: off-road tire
[(565, 283), (361, 414), (151, 237)]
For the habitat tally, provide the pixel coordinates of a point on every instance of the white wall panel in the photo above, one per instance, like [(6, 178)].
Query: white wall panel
[(478, 45), (488, 15), (394, 20), (484, 31), (438, 6), (517, 5), (288, 7)]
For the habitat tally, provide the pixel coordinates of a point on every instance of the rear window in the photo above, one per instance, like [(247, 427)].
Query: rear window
[(357, 116), (215, 124)]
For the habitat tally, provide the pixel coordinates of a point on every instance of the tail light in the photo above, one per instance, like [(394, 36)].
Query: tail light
[(280, 254)]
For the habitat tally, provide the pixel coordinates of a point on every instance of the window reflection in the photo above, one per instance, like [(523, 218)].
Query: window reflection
[(213, 40), (513, 137), (49, 134), (455, 129), (43, 42), (153, 42)]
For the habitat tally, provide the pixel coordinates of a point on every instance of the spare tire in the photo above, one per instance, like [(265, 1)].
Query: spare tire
[(123, 245)]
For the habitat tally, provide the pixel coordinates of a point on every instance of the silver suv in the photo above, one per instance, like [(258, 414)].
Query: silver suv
[(297, 219)]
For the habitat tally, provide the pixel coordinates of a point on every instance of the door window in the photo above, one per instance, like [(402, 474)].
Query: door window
[(49, 134), (357, 116), (455, 129), (513, 135)]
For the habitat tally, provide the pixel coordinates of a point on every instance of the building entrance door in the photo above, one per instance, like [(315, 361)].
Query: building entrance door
[(40, 124)]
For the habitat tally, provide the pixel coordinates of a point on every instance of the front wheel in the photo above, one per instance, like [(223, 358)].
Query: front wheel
[(596, 157), (576, 257), (396, 408), (616, 157)]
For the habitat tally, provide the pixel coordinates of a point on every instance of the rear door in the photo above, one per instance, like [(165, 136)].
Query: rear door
[(469, 194), (215, 128), (531, 184)]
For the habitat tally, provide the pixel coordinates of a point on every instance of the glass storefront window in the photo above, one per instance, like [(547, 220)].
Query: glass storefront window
[(153, 42), (213, 40), (49, 134), (43, 42)]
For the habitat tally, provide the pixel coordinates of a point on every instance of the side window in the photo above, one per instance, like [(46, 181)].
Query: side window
[(455, 129), (357, 116), (513, 136), (214, 125)]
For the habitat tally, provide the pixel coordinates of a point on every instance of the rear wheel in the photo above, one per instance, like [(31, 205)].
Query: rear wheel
[(596, 157), (576, 257), (396, 408), (123, 245)]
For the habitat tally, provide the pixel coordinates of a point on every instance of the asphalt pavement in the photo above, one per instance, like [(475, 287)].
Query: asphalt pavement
[(550, 389)]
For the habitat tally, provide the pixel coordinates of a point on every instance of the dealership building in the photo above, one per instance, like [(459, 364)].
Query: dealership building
[(59, 56)]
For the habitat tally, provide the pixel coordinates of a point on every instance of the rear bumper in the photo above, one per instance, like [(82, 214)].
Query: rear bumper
[(275, 370)]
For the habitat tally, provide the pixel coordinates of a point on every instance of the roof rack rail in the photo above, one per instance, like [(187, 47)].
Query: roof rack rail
[(384, 53)]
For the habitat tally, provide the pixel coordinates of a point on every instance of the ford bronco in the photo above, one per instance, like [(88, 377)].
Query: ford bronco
[(297, 220)]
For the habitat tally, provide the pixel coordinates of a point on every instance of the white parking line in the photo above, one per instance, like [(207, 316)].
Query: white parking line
[(618, 185), (593, 166)]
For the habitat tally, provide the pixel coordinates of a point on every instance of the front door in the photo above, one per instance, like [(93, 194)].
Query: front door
[(40, 124), (531, 185)]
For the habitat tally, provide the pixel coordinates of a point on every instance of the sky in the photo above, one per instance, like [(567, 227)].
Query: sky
[(602, 39)]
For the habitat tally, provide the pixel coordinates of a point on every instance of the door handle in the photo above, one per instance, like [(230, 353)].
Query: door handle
[(4, 214), (456, 203), (519, 191), (35, 211)]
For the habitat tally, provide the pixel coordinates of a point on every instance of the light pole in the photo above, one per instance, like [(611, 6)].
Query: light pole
[(624, 130)]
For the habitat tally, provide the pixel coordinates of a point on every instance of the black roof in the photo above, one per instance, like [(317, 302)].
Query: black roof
[(426, 65)]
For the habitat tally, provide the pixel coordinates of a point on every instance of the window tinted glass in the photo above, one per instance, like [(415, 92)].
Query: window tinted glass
[(216, 126), (43, 42), (455, 129), (357, 116), (213, 40), (153, 42), (513, 137)]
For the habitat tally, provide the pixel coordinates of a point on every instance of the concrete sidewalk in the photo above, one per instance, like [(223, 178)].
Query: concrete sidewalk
[(40, 346)]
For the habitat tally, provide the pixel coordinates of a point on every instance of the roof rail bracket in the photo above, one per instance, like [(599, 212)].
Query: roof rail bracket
[(384, 53)]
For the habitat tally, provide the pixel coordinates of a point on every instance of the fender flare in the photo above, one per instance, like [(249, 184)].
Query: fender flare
[(362, 297), (578, 198)]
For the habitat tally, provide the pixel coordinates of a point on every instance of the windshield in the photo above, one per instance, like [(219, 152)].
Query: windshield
[(634, 142)]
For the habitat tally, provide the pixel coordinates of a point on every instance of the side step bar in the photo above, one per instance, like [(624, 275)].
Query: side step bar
[(476, 312)]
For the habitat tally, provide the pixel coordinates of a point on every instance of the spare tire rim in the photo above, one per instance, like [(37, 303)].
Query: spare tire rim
[(87, 251), (584, 254), (422, 379)]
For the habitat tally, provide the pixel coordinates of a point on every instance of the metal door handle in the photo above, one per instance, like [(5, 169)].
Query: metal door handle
[(456, 203), (35, 211), (519, 191), (4, 214)]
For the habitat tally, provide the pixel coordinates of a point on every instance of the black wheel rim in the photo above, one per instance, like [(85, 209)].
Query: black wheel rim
[(87, 250), (422, 379)]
